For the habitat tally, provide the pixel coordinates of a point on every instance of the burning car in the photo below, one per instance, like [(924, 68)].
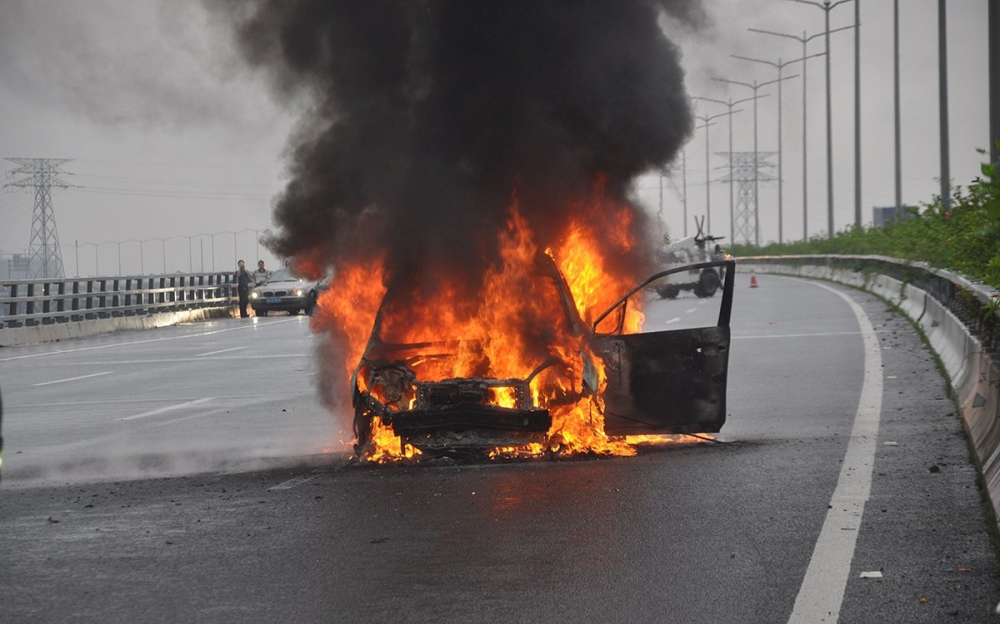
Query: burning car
[(600, 376)]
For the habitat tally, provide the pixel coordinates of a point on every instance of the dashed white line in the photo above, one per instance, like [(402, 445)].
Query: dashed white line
[(47, 383), (690, 311), (169, 408), (221, 351), (676, 319)]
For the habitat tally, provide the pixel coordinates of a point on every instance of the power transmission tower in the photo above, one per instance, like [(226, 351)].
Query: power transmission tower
[(44, 255), (744, 166)]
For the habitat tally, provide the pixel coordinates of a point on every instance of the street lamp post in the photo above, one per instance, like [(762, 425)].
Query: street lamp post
[(827, 6), (163, 248), (779, 65), (804, 39), (756, 165), (730, 104), (895, 74), (943, 109), (706, 122)]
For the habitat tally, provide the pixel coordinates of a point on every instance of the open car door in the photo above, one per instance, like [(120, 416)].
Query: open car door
[(667, 380)]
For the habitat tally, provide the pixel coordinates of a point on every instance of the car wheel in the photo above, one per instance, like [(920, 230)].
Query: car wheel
[(708, 283), (311, 306), (667, 291)]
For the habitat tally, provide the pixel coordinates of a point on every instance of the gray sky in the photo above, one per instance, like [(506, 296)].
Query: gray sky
[(172, 136)]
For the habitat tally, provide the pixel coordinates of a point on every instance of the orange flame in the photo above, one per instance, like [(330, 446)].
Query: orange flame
[(495, 331)]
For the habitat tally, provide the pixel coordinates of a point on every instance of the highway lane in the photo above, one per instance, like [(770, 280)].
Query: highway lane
[(686, 533), (168, 401)]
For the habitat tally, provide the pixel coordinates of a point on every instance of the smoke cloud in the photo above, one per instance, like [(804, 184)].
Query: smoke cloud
[(427, 118)]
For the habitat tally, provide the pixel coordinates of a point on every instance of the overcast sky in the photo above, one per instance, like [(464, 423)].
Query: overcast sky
[(172, 137)]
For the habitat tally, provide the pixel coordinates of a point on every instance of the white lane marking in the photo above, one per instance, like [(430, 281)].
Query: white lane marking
[(690, 311), (287, 485), (822, 592), (47, 383), (676, 319), (168, 408), (137, 342), (218, 352)]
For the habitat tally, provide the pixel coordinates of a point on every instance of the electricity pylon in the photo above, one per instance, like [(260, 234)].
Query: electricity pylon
[(745, 165), (44, 255)]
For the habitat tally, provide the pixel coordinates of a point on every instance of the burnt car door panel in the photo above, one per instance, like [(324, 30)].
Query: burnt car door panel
[(667, 381)]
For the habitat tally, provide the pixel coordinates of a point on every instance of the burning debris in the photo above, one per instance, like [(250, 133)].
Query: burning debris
[(451, 154)]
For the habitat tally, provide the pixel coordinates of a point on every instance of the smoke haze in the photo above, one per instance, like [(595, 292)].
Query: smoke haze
[(427, 118)]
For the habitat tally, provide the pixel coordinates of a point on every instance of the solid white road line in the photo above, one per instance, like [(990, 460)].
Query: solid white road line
[(169, 408), (218, 352), (47, 383), (822, 591)]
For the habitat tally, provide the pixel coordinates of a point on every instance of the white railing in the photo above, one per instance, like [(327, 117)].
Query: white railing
[(34, 302)]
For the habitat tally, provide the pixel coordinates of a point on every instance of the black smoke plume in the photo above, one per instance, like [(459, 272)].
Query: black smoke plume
[(427, 117)]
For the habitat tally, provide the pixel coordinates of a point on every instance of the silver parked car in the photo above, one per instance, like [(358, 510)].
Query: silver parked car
[(284, 291)]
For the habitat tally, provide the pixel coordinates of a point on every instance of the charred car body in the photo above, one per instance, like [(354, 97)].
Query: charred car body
[(662, 382)]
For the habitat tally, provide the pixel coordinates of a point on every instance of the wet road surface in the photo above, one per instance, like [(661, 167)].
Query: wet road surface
[(279, 530)]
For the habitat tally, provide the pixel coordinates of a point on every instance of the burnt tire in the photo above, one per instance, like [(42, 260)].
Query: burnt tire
[(708, 283)]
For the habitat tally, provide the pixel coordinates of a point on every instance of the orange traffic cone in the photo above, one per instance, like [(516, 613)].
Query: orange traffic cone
[(753, 280)]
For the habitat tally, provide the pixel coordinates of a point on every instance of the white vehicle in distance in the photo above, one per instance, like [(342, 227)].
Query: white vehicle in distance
[(285, 292)]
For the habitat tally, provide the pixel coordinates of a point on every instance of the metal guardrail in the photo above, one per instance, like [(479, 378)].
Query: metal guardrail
[(964, 298), (32, 302)]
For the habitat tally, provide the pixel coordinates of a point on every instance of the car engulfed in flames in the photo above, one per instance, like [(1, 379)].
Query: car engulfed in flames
[(594, 387)]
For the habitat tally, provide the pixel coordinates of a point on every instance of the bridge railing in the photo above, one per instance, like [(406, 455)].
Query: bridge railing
[(32, 302)]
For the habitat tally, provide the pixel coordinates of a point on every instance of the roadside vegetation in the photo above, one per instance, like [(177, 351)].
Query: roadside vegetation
[(964, 239)]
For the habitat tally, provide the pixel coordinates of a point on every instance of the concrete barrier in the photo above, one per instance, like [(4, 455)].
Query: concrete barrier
[(972, 371)]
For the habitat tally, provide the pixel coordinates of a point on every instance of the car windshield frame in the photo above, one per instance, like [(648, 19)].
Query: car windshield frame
[(284, 275)]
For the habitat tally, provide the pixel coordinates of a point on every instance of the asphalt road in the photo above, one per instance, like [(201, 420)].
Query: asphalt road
[(188, 474)]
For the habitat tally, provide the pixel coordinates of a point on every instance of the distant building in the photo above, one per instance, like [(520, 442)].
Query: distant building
[(885, 215), (13, 266)]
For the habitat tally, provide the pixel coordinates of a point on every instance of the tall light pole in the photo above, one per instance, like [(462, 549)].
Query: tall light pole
[(706, 122), (730, 104), (943, 95), (857, 113), (895, 80), (828, 6), (779, 65), (804, 39), (163, 248), (756, 165)]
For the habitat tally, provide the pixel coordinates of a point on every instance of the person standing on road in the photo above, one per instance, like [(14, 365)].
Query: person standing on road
[(244, 279), (261, 274)]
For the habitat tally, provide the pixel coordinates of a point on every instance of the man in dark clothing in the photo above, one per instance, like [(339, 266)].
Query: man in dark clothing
[(244, 279)]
